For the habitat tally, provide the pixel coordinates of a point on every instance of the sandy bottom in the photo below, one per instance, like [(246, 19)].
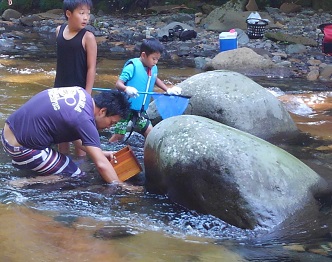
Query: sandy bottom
[(29, 235)]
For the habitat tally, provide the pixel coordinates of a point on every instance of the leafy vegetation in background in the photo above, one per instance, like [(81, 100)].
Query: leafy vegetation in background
[(272, 3), (109, 6), (325, 5), (29, 6), (19, 5), (49, 4)]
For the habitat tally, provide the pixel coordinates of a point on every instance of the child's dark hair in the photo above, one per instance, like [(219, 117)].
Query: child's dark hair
[(71, 5), (114, 101), (151, 45)]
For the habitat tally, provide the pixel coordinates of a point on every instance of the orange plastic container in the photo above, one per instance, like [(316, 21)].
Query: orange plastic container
[(126, 164)]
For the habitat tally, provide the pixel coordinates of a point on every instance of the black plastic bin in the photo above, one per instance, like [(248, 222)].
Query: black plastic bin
[(256, 30)]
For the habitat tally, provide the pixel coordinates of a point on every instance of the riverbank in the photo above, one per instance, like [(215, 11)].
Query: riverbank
[(119, 37)]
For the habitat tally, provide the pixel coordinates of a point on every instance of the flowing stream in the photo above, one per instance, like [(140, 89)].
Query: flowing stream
[(87, 220)]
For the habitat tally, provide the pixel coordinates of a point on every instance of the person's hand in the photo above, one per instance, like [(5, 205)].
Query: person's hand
[(126, 187), (131, 91), (175, 90), (110, 155), (131, 188)]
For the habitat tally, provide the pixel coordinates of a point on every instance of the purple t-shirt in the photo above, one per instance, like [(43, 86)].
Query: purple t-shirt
[(53, 116)]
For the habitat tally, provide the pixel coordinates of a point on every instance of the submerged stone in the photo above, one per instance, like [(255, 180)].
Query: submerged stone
[(113, 232)]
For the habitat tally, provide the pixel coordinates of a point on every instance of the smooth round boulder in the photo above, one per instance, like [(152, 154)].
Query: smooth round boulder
[(237, 101), (218, 170)]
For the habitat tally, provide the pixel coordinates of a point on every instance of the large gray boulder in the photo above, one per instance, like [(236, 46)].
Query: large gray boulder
[(215, 169), (30, 20), (246, 61), (237, 101), (215, 19), (10, 14), (230, 15)]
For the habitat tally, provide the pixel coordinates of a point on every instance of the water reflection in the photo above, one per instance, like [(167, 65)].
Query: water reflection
[(312, 112), (87, 220), (76, 242)]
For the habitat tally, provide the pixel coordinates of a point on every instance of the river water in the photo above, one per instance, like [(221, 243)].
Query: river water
[(87, 220)]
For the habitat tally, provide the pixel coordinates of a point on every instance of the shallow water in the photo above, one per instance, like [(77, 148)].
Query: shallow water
[(86, 220)]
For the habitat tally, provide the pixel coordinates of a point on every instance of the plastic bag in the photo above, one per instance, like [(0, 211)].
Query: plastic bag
[(253, 18)]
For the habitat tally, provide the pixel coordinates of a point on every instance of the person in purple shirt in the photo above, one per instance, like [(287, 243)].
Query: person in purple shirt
[(63, 115)]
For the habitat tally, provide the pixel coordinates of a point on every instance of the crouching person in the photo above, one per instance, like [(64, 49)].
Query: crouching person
[(61, 115)]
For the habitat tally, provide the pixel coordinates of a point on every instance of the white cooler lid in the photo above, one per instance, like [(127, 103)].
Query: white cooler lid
[(227, 35)]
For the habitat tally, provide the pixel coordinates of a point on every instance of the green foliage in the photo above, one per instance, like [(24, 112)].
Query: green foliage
[(28, 6), (322, 4), (123, 5), (272, 3), (109, 6), (277, 3), (18, 5), (3, 6), (103, 6), (190, 3), (45, 5)]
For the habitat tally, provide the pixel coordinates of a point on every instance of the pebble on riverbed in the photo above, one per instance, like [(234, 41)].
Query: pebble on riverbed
[(113, 232)]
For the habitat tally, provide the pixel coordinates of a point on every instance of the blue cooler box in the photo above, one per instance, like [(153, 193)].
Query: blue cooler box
[(227, 41)]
